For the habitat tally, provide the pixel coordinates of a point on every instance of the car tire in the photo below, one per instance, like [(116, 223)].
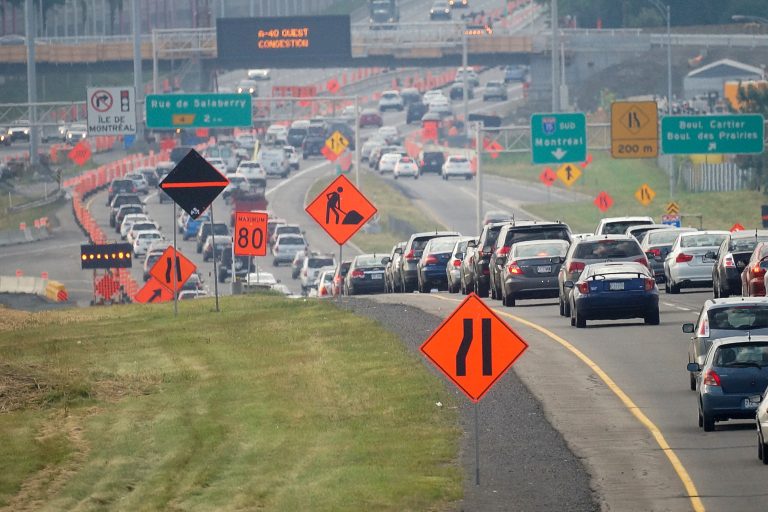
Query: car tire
[(481, 291), (445, 177), (275, 263), (674, 289), (692, 381), (423, 288), (701, 420), (394, 176), (507, 300), (764, 446), (652, 318), (580, 321), (707, 422), (198, 249), (566, 308), (724, 292), (561, 304), (415, 176)]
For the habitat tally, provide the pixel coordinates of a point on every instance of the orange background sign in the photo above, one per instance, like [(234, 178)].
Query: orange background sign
[(473, 347), (341, 209), (153, 292), (250, 234), (164, 268)]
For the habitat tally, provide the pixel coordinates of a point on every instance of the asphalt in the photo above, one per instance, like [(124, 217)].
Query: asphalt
[(525, 463)]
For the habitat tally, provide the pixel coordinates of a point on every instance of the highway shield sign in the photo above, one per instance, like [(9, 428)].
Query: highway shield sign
[(193, 184), (569, 173), (214, 110), (634, 129), (169, 269), (558, 138), (341, 209), (153, 292), (473, 347), (720, 134), (645, 194), (250, 234)]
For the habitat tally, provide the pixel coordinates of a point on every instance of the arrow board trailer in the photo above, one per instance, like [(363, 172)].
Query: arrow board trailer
[(111, 110)]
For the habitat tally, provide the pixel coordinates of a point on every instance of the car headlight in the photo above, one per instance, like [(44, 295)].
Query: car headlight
[(447, 11), (26, 131)]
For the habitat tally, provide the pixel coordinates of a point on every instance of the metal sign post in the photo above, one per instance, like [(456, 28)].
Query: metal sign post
[(213, 250), (477, 447), (478, 177), (175, 286)]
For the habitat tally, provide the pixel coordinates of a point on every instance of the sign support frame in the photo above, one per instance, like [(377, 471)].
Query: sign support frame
[(175, 285), (213, 251), (477, 446)]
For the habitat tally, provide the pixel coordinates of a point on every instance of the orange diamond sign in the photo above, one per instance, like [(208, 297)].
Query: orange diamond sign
[(473, 347), (341, 209), (168, 269), (81, 153)]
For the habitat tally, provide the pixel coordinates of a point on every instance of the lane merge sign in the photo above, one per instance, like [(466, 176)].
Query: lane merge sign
[(558, 138), (717, 134), (111, 110), (193, 184), (634, 129), (215, 110)]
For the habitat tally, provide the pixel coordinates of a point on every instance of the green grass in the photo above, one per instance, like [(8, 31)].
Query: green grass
[(272, 404), (621, 178), (390, 204)]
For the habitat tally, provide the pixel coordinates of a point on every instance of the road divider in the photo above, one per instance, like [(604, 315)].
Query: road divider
[(50, 289)]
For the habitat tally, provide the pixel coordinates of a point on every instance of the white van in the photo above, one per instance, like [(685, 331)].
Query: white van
[(274, 162), (277, 134)]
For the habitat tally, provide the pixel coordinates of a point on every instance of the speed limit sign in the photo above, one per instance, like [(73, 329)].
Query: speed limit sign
[(250, 234)]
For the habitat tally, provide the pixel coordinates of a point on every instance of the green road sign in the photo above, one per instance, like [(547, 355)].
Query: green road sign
[(736, 134), (558, 138), (198, 110)]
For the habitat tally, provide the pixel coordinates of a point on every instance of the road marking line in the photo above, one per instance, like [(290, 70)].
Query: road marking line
[(682, 473), (669, 304), (300, 173), (681, 308)]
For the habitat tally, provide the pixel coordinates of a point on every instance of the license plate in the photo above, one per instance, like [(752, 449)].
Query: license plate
[(749, 404), (545, 269), (707, 260), (377, 276), (615, 286)]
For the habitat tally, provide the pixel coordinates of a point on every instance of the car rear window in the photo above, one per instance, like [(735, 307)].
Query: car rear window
[(735, 355), (291, 240), (738, 317), (542, 250), (320, 262), (665, 237), (442, 245), (704, 241), (368, 261), (744, 244), (458, 159), (619, 228), (604, 249), (288, 229), (544, 233)]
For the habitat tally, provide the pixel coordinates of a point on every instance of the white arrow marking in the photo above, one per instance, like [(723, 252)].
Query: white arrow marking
[(559, 154)]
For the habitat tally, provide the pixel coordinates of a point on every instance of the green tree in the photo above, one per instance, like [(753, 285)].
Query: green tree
[(754, 100)]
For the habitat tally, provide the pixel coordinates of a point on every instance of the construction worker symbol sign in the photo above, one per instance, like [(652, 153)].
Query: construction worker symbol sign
[(341, 209)]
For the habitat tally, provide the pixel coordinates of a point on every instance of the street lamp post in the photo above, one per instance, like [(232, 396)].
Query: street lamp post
[(664, 11)]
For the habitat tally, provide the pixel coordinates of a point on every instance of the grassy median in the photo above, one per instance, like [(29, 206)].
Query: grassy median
[(272, 404)]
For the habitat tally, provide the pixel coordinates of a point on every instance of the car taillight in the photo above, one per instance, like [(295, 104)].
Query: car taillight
[(358, 273), (512, 268), (642, 261), (704, 330), (728, 261), (503, 251), (758, 271), (323, 292), (431, 260), (410, 256), (656, 252), (650, 283), (711, 378), (583, 287), (575, 266), (683, 258), (456, 263)]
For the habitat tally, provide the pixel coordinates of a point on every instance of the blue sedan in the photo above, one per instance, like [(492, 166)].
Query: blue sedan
[(731, 380), (611, 291)]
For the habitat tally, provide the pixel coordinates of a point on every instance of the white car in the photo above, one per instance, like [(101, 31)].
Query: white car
[(144, 240), (139, 181), (390, 134), (259, 74), (390, 100), (388, 162), (245, 140), (139, 227), (324, 283), (348, 113), (219, 164), (128, 222), (237, 182), (433, 94), (286, 247), (276, 134), (687, 264), (274, 162), (369, 145), (252, 170), (472, 77), (311, 268), (293, 157), (248, 87), (406, 166), (457, 165), (619, 225), (263, 279), (440, 106), (76, 133)]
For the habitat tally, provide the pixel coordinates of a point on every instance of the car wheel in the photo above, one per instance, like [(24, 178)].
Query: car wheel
[(561, 304), (716, 289), (507, 300), (415, 176), (481, 291), (275, 263), (708, 422), (652, 318), (701, 420), (445, 177), (580, 321), (724, 292), (692, 381), (666, 284), (199, 249), (493, 293), (423, 288), (674, 289), (765, 448), (566, 308), (394, 176)]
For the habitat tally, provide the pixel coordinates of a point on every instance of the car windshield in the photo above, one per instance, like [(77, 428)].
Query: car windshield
[(745, 244), (704, 241), (738, 317), (320, 262), (543, 250), (368, 260), (663, 237), (734, 355), (604, 249), (619, 228), (291, 240)]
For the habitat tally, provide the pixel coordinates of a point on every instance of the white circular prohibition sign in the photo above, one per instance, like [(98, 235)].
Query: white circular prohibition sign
[(101, 100)]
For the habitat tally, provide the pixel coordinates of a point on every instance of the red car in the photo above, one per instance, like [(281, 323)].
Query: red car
[(752, 284), (370, 117)]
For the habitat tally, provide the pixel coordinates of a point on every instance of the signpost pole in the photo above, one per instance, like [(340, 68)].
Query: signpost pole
[(175, 286), (357, 146), (477, 448), (341, 288), (464, 93), (479, 178), (232, 270), (213, 250)]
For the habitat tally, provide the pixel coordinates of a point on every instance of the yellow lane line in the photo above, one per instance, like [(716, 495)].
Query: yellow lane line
[(682, 473)]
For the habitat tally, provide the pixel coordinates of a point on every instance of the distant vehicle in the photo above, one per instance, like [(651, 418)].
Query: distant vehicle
[(118, 201), (619, 225), (406, 273), (312, 265), (691, 259), (284, 229), (219, 243), (656, 245), (415, 111), (440, 10), (383, 13), (495, 89), (440, 106), (456, 91), (120, 186), (453, 268), (390, 100), (410, 95), (365, 274), (457, 165), (204, 230), (472, 76), (150, 174), (274, 162), (431, 267), (638, 231), (456, 4), (276, 134), (76, 133), (248, 87), (178, 153), (370, 117), (406, 167), (19, 130), (431, 95), (431, 160), (144, 239), (128, 221), (259, 74), (388, 162), (338, 277), (530, 270), (293, 157), (515, 73), (390, 134), (236, 182), (252, 170), (286, 247), (241, 265), (312, 146), (324, 283), (297, 132), (391, 284), (226, 154)]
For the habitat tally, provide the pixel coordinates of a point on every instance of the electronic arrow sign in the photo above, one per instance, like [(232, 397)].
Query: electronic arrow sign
[(284, 41)]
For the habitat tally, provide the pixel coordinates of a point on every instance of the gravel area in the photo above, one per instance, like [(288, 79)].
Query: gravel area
[(525, 464)]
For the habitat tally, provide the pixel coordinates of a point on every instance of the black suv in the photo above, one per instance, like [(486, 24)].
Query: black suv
[(415, 112), (521, 231), (312, 146), (431, 161), (120, 186), (242, 265), (481, 280), (118, 201), (406, 274), (219, 228), (732, 257)]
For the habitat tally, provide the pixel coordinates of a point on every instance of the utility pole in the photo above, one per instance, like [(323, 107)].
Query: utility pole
[(29, 15), (555, 56), (138, 82)]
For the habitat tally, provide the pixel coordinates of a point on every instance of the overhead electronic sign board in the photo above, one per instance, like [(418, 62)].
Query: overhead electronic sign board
[(284, 41)]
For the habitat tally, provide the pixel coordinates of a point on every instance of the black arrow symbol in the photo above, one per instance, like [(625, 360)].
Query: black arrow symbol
[(155, 294)]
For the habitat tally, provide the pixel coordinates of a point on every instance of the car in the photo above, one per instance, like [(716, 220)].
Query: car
[(752, 276), (415, 111), (151, 258), (194, 284), (439, 106), (457, 165), (731, 258), (143, 240), (613, 291), (724, 318), (119, 200), (530, 270), (456, 4), (348, 113), (248, 87), (293, 157), (369, 145), (406, 273), (481, 258), (191, 226), (374, 161), (410, 95), (467, 268), (259, 74), (433, 94), (178, 153), (218, 164), (340, 273), (129, 220), (237, 182), (456, 92), (75, 133), (192, 294), (261, 279), (245, 141), (272, 223), (311, 267), (297, 132), (215, 245), (139, 181), (619, 225), (431, 267), (150, 175), (205, 229), (495, 89), (252, 170), (391, 284), (431, 160), (638, 231), (453, 267), (656, 244), (127, 209), (274, 162), (298, 263), (365, 274), (284, 229), (286, 246), (514, 232), (472, 77), (120, 186), (276, 134), (138, 227), (691, 259), (242, 266), (390, 100), (594, 249), (731, 380), (406, 166), (324, 283), (515, 73), (440, 10), (312, 146), (493, 216), (390, 134), (388, 162)]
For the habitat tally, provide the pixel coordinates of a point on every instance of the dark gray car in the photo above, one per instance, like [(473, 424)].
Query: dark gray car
[(530, 270), (406, 273)]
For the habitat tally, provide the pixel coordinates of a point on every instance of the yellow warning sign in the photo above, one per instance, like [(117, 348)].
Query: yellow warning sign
[(634, 129), (645, 194), (337, 142), (568, 173), (182, 119), (673, 208)]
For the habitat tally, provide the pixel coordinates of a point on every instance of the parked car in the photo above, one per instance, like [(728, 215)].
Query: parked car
[(457, 165), (752, 276), (365, 274), (392, 284), (286, 246), (406, 273), (311, 269), (338, 277), (612, 291), (495, 89), (530, 270), (390, 100), (594, 249), (731, 259), (724, 318), (431, 267), (619, 225), (691, 259), (431, 160), (406, 167), (731, 380), (656, 244), (453, 267)]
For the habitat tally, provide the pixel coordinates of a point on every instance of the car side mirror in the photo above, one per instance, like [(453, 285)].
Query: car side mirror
[(568, 284), (688, 328), (693, 367)]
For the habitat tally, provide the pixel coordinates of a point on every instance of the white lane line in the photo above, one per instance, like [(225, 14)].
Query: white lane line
[(37, 251), (670, 304), (681, 308), (300, 173)]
